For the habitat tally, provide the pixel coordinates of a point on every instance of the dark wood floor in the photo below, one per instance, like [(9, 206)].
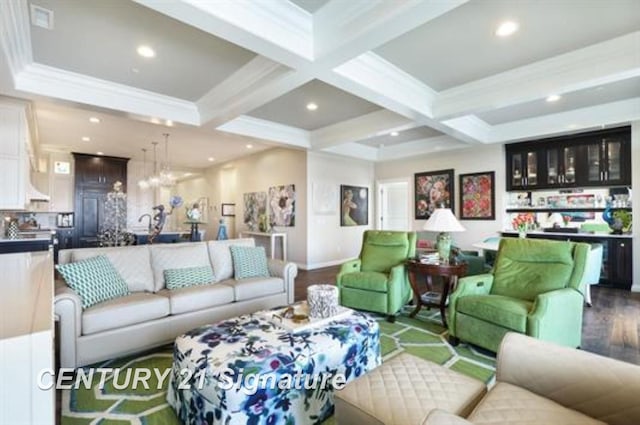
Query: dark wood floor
[(610, 328)]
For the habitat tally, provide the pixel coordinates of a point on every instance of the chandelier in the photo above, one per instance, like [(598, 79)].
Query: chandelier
[(165, 177)]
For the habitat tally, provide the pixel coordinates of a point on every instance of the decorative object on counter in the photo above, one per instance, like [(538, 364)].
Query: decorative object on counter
[(355, 205), (522, 223), (622, 222), (113, 231), (12, 228), (160, 219), (193, 212), (433, 190), (566, 219), (222, 230), (322, 301), (442, 220), (477, 196), (263, 223), (282, 205)]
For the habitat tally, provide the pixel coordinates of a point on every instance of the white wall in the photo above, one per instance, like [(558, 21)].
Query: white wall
[(327, 242), (470, 160), (635, 183)]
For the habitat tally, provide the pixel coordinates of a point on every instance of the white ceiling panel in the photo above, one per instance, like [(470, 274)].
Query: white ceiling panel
[(334, 106), (580, 99), (99, 38), (386, 140), (460, 46), (310, 6)]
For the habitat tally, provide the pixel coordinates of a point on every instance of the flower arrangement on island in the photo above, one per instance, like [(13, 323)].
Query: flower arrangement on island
[(523, 222)]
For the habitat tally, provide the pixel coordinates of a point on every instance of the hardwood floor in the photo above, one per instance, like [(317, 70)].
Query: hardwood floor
[(610, 328)]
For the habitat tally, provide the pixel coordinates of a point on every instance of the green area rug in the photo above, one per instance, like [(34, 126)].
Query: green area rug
[(423, 336)]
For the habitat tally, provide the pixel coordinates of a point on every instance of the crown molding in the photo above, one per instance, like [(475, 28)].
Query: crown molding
[(267, 130), (355, 150), (419, 147), (57, 83), (603, 63), (359, 128), (278, 30), (621, 112), (15, 36)]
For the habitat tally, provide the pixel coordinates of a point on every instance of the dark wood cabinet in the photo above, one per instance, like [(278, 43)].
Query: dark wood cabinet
[(600, 158), (95, 176)]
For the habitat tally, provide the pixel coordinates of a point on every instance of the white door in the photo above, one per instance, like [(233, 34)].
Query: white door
[(394, 206)]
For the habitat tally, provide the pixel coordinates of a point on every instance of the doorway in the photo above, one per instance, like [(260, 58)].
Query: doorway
[(393, 205)]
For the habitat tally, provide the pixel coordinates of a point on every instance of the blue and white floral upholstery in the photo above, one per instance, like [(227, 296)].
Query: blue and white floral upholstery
[(349, 346)]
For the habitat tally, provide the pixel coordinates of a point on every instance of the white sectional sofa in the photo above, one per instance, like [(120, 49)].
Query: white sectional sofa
[(152, 315)]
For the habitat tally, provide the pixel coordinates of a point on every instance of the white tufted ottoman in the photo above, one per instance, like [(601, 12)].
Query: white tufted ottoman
[(403, 391)]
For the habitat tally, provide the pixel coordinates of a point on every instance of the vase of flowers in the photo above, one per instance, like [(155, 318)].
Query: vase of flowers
[(522, 223)]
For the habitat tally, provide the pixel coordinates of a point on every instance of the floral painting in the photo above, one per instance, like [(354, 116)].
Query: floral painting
[(433, 189), (355, 206), (282, 205), (477, 196), (255, 206)]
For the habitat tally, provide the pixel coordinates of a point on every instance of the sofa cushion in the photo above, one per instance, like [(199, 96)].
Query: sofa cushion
[(526, 268), (94, 280), (220, 256), (508, 404), (188, 276), (249, 262), (370, 281), (124, 311), (176, 256), (383, 250), (185, 300), (404, 390), (133, 263), (255, 287), (507, 312)]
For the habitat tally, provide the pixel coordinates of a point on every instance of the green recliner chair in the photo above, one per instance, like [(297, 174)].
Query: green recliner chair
[(534, 289), (377, 281)]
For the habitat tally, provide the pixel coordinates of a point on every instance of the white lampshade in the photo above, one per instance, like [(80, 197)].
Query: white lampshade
[(443, 220)]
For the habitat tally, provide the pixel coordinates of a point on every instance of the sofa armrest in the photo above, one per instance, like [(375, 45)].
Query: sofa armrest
[(288, 272), (602, 388), (441, 417), (556, 316), (351, 266), (68, 308)]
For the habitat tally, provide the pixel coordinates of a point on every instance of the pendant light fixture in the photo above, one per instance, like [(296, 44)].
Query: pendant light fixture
[(154, 180), (144, 182), (166, 177)]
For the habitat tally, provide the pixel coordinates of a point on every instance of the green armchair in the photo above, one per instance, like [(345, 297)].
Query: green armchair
[(377, 281), (534, 289)]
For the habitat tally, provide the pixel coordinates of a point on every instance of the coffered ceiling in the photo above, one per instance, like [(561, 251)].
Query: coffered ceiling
[(227, 73)]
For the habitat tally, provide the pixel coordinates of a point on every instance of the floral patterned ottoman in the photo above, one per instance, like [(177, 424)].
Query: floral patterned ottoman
[(215, 370)]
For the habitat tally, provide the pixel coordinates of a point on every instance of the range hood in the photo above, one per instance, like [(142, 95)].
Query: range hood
[(34, 195)]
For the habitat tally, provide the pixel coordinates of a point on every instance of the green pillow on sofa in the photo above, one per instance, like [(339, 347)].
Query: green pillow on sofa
[(94, 280), (249, 262), (188, 276)]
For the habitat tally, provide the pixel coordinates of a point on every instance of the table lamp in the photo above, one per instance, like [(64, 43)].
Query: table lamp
[(442, 220)]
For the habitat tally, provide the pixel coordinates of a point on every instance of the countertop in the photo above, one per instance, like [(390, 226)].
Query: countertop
[(573, 235), (36, 239)]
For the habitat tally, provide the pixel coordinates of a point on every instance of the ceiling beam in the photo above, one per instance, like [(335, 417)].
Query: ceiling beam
[(419, 147), (268, 130), (355, 150), (603, 63)]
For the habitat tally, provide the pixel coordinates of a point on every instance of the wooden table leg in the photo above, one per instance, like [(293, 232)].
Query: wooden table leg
[(446, 286), (416, 293)]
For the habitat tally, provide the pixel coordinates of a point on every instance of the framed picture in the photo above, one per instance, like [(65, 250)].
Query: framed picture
[(477, 196), (282, 205), (228, 210), (354, 210), (433, 189)]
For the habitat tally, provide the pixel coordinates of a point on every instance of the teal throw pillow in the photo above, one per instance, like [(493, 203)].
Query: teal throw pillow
[(249, 261), (188, 276), (94, 280)]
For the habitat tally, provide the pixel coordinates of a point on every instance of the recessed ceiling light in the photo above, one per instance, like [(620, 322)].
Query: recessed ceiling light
[(553, 98), (94, 120), (100, 153), (312, 106), (146, 51), (394, 133), (249, 146), (187, 174), (86, 139), (507, 28), (155, 121), (211, 159), (169, 123)]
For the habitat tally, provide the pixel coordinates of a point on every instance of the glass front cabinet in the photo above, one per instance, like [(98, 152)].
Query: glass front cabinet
[(601, 158)]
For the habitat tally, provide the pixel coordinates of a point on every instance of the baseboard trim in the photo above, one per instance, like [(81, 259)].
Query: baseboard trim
[(315, 266)]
